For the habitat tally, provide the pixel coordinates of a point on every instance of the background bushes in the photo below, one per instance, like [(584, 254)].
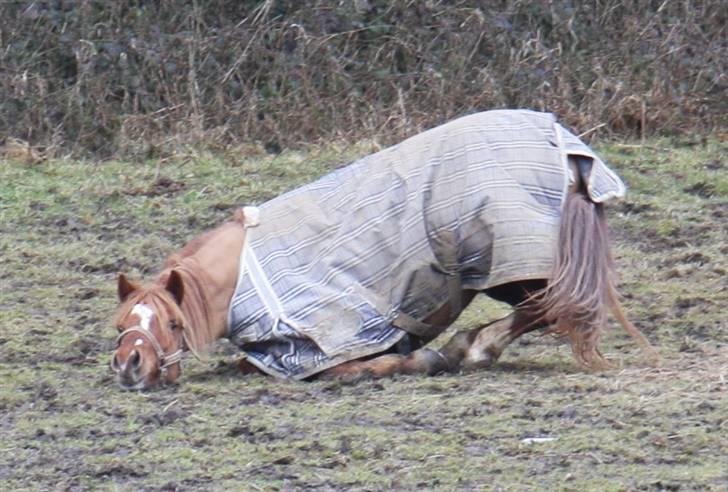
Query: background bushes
[(142, 78)]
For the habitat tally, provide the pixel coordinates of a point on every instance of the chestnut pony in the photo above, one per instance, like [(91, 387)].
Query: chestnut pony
[(187, 306)]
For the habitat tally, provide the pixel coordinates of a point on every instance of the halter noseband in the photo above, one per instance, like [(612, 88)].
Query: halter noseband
[(164, 360)]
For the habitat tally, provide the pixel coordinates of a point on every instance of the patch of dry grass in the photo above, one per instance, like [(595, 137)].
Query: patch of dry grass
[(148, 79)]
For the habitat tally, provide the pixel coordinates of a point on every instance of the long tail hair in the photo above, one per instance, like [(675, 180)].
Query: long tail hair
[(582, 287)]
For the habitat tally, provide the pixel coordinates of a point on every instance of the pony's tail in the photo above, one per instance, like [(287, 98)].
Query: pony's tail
[(582, 288)]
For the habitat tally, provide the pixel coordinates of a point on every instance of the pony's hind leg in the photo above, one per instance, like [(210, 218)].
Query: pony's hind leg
[(471, 349), (482, 346)]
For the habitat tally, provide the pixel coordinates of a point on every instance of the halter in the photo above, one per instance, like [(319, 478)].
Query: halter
[(143, 328)]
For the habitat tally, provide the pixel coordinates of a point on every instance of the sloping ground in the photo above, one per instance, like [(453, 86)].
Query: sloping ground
[(534, 422)]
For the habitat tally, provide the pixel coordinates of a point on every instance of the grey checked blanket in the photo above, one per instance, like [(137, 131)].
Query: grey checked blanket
[(333, 264)]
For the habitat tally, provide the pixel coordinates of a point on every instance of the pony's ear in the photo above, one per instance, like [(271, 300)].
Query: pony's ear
[(175, 286), (124, 287)]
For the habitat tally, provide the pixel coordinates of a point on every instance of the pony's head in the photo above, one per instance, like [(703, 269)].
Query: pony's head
[(151, 333)]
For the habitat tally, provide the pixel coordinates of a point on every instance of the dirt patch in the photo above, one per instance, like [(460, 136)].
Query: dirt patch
[(701, 189), (630, 207), (160, 186), (714, 165)]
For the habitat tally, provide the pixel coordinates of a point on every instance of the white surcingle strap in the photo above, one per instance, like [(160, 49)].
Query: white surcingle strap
[(250, 266), (251, 218)]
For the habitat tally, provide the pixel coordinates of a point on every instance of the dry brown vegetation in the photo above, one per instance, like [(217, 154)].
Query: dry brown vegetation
[(143, 78)]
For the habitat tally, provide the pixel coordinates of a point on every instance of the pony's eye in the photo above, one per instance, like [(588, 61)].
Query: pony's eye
[(173, 325)]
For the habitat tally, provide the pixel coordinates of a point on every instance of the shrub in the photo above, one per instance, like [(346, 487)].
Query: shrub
[(140, 78)]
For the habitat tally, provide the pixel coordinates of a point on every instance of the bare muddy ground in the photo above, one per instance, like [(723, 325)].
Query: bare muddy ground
[(536, 421)]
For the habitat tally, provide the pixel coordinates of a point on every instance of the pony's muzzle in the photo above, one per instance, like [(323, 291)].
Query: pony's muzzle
[(128, 372)]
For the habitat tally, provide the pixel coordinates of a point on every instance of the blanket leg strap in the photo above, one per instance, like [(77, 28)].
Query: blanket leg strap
[(428, 331), (415, 327)]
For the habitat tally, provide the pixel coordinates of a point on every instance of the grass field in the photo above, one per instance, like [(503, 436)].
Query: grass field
[(536, 421)]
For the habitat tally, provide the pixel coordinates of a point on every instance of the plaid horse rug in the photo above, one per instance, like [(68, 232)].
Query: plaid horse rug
[(333, 269)]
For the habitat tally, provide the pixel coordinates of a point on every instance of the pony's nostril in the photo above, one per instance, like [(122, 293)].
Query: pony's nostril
[(115, 363), (135, 359)]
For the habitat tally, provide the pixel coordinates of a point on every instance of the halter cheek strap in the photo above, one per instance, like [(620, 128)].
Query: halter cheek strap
[(145, 315)]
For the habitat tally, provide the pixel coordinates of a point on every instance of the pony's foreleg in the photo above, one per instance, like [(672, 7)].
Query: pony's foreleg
[(421, 361)]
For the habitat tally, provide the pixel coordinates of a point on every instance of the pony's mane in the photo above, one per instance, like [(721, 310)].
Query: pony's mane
[(198, 324), (195, 244)]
